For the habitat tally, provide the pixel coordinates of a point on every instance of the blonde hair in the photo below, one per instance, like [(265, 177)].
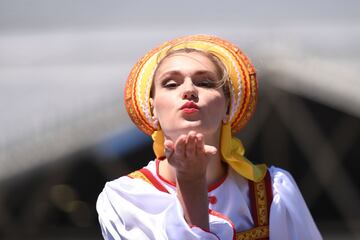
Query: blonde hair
[(222, 72)]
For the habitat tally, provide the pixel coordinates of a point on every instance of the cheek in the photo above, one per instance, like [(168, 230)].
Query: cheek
[(218, 103), (215, 111), (162, 104)]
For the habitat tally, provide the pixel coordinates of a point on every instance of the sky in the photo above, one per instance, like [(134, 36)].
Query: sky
[(48, 14)]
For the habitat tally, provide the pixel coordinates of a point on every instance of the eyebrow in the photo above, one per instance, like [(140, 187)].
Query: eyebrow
[(178, 73)]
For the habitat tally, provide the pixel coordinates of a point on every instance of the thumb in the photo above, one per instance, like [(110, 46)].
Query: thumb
[(211, 150), (169, 148)]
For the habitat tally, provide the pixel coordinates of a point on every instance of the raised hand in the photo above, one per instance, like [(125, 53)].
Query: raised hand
[(189, 155)]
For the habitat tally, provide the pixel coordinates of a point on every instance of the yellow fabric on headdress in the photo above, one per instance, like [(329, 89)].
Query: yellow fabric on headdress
[(232, 152), (158, 145)]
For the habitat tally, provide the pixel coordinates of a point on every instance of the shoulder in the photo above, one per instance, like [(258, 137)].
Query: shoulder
[(282, 180), (290, 217), (123, 188), (279, 173), (285, 189)]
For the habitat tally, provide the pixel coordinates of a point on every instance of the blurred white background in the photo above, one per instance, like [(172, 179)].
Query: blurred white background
[(63, 65)]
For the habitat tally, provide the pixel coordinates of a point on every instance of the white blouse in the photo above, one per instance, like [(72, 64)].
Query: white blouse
[(134, 209)]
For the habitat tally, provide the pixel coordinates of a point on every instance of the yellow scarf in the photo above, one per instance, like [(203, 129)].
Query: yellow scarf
[(232, 152)]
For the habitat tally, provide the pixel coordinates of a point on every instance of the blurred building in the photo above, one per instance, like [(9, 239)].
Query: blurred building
[(64, 130)]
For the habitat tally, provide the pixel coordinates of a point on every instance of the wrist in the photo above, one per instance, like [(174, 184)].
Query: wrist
[(182, 176)]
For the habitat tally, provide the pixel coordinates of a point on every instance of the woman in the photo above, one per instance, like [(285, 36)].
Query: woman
[(191, 94)]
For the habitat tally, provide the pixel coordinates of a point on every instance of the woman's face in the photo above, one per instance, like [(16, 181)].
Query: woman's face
[(186, 97)]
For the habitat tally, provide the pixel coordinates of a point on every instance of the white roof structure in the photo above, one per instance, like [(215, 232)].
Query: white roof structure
[(62, 69)]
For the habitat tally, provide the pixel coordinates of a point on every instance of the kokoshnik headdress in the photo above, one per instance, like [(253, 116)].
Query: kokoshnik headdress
[(243, 97)]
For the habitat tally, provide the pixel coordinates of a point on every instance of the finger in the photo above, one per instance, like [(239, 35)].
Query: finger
[(169, 148), (190, 144), (210, 150), (200, 143), (180, 146)]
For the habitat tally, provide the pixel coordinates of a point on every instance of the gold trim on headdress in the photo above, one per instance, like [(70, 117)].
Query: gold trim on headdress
[(243, 85), (243, 96)]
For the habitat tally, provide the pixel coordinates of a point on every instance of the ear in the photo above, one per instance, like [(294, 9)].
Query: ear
[(151, 101), (153, 113)]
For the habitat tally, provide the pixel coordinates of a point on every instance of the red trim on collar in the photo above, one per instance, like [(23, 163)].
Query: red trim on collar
[(153, 180), (217, 184), (158, 174)]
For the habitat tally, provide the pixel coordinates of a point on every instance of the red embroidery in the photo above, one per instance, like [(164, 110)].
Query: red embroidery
[(212, 199)]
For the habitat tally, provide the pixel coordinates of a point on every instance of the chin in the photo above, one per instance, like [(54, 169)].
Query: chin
[(184, 127), (194, 126)]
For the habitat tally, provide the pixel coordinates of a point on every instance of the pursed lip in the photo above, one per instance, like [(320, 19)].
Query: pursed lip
[(189, 105)]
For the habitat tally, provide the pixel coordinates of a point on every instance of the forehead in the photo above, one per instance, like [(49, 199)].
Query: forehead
[(186, 62)]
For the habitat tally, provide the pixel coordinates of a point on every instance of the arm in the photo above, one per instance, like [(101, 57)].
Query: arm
[(190, 157), (193, 197)]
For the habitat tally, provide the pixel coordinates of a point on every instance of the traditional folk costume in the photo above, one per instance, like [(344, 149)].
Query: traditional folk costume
[(250, 202)]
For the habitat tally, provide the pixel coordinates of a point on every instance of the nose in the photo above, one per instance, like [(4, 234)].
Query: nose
[(190, 91), (190, 96)]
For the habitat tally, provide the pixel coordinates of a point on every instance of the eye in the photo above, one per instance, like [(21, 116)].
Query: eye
[(169, 84), (206, 83)]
